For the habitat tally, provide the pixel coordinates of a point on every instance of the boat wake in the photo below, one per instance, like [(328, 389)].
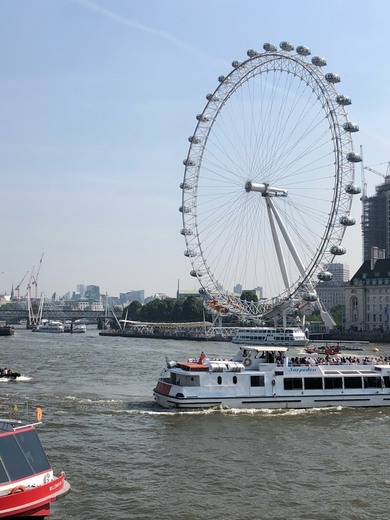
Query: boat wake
[(155, 410), (19, 379), (23, 378)]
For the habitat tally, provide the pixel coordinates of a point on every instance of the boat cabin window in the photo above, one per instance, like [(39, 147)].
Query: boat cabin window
[(293, 383), (21, 455), (386, 380), (219, 380), (372, 382), (257, 380), (333, 382), (313, 383), (353, 382), (180, 380)]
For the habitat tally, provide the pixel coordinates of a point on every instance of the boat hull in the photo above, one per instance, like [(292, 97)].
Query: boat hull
[(277, 402), (35, 501), (10, 377)]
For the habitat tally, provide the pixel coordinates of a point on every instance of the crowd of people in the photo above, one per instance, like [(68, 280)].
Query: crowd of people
[(339, 360)]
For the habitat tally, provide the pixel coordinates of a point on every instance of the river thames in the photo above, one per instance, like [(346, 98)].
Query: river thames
[(128, 459)]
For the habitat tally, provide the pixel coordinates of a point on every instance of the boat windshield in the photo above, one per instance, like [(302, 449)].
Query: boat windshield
[(21, 455)]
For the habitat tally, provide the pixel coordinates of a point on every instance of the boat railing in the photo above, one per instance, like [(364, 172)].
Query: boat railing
[(21, 414)]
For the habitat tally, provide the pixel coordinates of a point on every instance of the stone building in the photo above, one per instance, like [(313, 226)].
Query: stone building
[(367, 296)]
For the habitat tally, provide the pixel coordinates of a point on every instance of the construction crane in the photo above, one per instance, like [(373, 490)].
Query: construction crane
[(364, 182), (17, 288), (383, 175), (30, 282), (368, 168), (35, 278)]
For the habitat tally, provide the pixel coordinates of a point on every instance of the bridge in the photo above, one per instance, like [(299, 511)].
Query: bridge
[(17, 315)]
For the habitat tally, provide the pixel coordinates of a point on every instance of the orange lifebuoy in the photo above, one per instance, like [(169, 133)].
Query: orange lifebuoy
[(38, 413), (18, 489), (247, 362)]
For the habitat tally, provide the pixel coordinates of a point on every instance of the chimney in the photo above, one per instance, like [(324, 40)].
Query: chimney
[(374, 257)]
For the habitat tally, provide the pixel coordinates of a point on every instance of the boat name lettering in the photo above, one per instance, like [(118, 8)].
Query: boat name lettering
[(57, 485), (306, 369)]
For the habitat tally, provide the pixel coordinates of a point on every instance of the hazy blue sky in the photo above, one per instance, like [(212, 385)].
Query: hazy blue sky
[(98, 98)]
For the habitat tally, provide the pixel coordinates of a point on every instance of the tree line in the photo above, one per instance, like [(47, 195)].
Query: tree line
[(168, 310), (173, 310)]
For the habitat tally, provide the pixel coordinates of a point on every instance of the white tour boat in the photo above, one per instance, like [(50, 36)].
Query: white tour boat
[(49, 326), (265, 377), (74, 327), (285, 336)]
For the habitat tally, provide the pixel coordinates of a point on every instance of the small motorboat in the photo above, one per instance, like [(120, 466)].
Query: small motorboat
[(28, 485), (8, 373), (7, 330), (328, 350)]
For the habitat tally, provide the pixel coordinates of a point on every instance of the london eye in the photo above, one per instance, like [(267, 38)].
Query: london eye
[(269, 180)]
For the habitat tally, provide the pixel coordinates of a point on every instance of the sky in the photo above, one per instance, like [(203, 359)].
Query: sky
[(98, 98)]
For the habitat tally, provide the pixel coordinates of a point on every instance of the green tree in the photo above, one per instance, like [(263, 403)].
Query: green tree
[(171, 310), (249, 296), (177, 311), (337, 314), (132, 311), (193, 309)]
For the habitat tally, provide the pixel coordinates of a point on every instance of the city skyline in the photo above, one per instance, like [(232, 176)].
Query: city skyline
[(97, 111)]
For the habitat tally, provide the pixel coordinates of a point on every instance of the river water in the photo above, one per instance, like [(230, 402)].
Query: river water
[(128, 459)]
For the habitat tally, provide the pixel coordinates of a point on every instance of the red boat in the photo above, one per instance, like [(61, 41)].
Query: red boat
[(28, 485), (330, 350)]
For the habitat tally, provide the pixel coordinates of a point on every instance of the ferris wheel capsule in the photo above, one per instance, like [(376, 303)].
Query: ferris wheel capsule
[(343, 100), (252, 53), (353, 189), (332, 77), (318, 61), (338, 250), (350, 127), (325, 276), (189, 253), (303, 51), (195, 139), (269, 47), (354, 157), (189, 162), (203, 118), (195, 273), (286, 46), (345, 220), (309, 296)]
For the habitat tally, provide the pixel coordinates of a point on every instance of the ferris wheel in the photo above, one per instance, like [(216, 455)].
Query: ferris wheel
[(269, 180)]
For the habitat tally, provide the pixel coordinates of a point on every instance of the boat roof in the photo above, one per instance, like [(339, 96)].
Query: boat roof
[(269, 348), (270, 328), (188, 365)]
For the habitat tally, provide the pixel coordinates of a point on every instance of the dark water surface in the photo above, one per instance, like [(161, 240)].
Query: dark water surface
[(128, 459)]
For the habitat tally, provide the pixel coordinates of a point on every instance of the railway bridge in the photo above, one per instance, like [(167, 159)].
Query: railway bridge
[(14, 316)]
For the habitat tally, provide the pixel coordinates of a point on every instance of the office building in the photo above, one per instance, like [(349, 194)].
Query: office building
[(376, 221)]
